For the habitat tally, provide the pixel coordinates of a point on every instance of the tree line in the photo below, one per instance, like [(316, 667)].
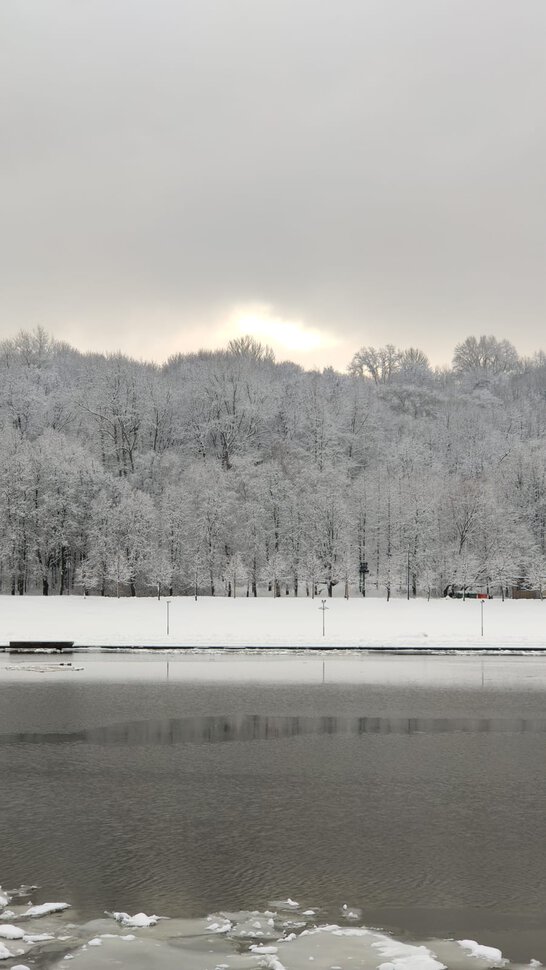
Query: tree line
[(229, 473)]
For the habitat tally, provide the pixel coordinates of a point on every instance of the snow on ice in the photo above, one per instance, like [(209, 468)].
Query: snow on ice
[(138, 920), (484, 952), (45, 909), (234, 939)]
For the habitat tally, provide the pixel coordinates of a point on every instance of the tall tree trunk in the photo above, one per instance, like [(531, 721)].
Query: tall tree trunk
[(62, 571)]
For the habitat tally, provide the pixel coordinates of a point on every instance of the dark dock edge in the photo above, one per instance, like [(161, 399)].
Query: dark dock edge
[(35, 646), (250, 650)]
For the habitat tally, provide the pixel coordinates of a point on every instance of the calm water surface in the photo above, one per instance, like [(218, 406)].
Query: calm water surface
[(425, 807)]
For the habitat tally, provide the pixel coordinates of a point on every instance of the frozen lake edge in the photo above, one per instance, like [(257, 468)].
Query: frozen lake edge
[(470, 670)]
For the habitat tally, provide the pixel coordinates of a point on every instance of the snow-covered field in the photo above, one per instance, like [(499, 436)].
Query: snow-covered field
[(96, 621)]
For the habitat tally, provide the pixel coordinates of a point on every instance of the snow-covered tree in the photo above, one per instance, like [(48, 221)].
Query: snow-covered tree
[(225, 471)]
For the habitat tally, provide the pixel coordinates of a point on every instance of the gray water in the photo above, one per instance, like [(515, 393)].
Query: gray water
[(424, 807)]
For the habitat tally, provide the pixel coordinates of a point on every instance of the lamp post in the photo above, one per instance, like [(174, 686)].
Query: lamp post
[(323, 608), (167, 603)]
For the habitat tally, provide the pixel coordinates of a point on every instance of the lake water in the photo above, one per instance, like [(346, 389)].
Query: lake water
[(422, 806)]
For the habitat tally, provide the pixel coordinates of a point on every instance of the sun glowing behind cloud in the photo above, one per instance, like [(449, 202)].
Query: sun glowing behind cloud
[(281, 334)]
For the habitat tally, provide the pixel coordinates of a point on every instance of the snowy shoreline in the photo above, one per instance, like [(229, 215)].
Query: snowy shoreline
[(275, 624)]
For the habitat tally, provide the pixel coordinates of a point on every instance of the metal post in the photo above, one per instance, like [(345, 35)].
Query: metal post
[(323, 608), (168, 602)]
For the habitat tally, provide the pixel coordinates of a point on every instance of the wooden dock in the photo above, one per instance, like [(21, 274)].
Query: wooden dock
[(31, 646)]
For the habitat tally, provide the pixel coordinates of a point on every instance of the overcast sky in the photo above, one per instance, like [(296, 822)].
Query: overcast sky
[(321, 174)]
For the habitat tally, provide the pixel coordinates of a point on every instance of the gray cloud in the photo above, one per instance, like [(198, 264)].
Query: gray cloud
[(373, 168)]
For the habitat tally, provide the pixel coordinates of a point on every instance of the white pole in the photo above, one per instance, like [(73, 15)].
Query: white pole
[(481, 604), (168, 602), (323, 608)]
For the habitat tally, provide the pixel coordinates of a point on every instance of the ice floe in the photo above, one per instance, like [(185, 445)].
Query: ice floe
[(5, 954), (45, 909), (139, 920), (351, 912), (219, 927), (9, 932), (483, 952), (273, 939), (405, 956)]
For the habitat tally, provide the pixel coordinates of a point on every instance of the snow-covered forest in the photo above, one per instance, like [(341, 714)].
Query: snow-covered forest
[(228, 473)]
